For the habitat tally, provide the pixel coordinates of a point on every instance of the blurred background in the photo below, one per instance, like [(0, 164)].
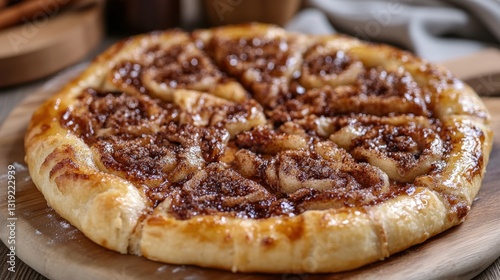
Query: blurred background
[(41, 37), (435, 29)]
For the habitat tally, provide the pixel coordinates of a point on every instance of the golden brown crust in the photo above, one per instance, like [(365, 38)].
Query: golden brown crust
[(331, 154), (104, 207), (316, 241)]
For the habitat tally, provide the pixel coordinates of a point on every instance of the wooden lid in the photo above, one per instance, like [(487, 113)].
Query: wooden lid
[(37, 49)]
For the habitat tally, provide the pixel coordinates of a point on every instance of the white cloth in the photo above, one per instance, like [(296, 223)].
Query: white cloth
[(434, 29)]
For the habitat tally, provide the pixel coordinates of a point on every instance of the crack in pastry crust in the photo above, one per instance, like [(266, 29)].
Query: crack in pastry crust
[(254, 144)]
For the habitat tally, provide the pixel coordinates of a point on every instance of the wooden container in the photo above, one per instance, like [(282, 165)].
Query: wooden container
[(138, 16), (238, 11)]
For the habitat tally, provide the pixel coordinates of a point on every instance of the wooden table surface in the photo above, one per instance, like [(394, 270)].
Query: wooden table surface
[(10, 97)]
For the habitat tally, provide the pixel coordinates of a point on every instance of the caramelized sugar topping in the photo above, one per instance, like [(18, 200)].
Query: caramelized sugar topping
[(293, 147)]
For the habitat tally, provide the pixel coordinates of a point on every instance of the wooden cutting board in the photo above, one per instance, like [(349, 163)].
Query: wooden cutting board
[(57, 250)]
